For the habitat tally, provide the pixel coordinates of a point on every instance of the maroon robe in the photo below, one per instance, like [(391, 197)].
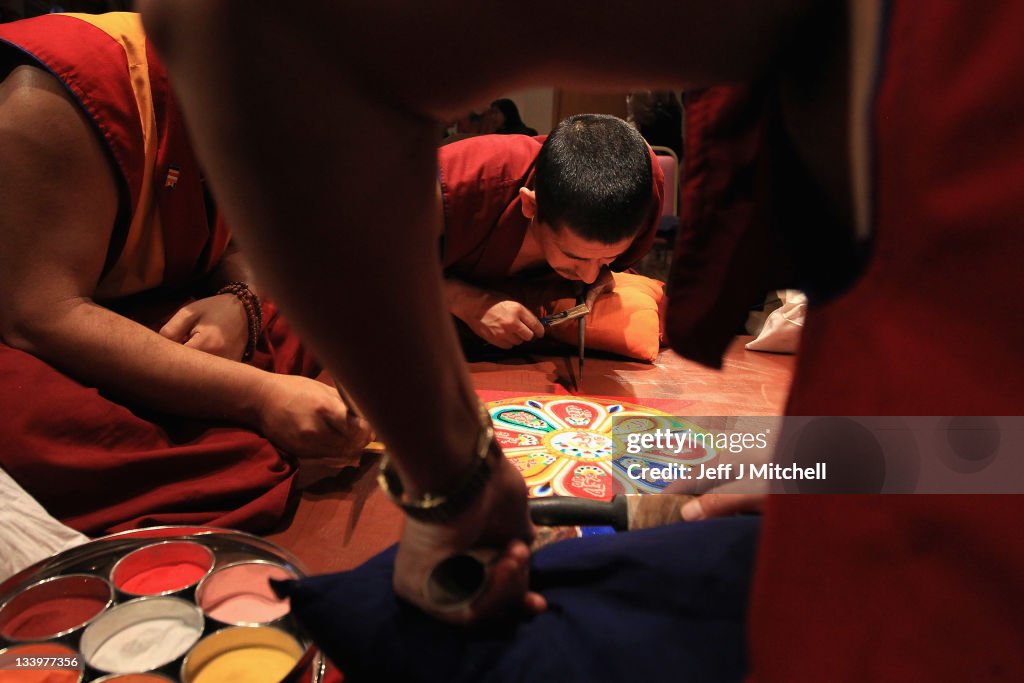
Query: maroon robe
[(869, 588), (95, 464), (483, 213)]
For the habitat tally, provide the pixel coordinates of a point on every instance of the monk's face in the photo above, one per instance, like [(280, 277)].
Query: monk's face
[(574, 257), (570, 255)]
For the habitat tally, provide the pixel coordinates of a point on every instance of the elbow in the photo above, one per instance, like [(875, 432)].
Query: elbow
[(22, 331), (33, 329), (19, 336)]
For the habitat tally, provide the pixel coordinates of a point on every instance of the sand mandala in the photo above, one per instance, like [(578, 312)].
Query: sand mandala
[(565, 446)]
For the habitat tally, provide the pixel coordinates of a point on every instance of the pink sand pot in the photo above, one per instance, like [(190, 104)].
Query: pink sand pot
[(240, 594)]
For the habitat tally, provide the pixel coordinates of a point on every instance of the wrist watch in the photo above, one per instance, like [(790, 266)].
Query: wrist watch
[(442, 507)]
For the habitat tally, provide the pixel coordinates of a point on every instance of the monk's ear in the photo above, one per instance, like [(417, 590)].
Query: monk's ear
[(529, 198)]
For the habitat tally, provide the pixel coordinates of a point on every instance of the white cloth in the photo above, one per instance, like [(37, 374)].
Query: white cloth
[(27, 532), (782, 327)]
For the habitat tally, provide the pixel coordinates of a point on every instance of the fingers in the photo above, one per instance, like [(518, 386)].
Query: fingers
[(179, 327), (506, 590), (206, 338), (203, 326), (509, 324), (535, 603), (532, 323), (512, 335), (507, 583), (522, 329), (720, 504), (355, 431), (523, 332)]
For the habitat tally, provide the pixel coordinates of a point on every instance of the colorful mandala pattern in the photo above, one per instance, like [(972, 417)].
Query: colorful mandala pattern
[(564, 446)]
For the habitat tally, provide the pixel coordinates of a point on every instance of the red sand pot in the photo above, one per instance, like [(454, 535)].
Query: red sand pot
[(11, 672), (54, 607), (162, 568)]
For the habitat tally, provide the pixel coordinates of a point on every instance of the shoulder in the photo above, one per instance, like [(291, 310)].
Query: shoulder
[(57, 190), (40, 117), (490, 166), (50, 149), (496, 151)]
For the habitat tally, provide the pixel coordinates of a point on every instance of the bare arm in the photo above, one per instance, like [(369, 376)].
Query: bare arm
[(495, 318), (233, 267), (217, 324), (57, 205)]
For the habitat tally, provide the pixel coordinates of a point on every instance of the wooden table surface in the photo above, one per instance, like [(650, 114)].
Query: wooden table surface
[(342, 519)]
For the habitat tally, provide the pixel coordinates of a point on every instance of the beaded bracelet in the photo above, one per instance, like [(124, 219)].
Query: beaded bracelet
[(253, 313)]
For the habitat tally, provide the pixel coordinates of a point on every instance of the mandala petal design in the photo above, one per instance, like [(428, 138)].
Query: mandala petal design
[(537, 468), (585, 480), (511, 440), (575, 413), (523, 416)]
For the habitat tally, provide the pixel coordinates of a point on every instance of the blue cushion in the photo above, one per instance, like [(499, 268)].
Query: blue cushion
[(625, 607)]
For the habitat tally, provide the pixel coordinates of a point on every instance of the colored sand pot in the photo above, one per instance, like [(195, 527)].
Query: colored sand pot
[(252, 654), (240, 594), (162, 568), (142, 635), (40, 663), (54, 608)]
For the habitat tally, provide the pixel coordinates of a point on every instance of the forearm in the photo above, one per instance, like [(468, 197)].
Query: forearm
[(124, 359), (463, 299), (232, 267), (330, 280)]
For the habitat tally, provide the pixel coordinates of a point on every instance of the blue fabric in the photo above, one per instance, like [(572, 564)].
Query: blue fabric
[(660, 604)]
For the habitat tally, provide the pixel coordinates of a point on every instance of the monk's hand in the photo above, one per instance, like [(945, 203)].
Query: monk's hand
[(496, 528), (602, 285), (308, 419), (731, 498), (718, 504), (217, 325), (505, 323)]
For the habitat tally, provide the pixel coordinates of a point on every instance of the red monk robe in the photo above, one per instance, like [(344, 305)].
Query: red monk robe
[(97, 465), (869, 588), (483, 212)]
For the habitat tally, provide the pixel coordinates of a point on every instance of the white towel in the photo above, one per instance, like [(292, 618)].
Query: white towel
[(27, 532), (781, 330)]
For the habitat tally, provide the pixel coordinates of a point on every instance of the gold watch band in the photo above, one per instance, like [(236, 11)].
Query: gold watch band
[(441, 507)]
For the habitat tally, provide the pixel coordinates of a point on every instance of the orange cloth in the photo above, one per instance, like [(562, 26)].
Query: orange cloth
[(625, 321)]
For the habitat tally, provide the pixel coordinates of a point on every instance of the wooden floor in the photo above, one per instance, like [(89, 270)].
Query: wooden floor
[(343, 519)]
